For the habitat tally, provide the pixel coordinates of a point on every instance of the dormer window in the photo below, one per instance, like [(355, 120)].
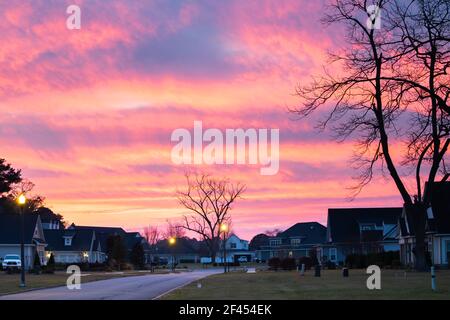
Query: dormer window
[(295, 242), (67, 241)]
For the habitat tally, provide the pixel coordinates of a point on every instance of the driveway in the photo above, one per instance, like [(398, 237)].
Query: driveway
[(126, 288)]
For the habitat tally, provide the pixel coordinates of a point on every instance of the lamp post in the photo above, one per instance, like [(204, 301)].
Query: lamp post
[(21, 200), (224, 230), (172, 242)]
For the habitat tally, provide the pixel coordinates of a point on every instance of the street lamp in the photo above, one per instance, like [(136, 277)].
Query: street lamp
[(224, 230), (21, 200), (172, 242)]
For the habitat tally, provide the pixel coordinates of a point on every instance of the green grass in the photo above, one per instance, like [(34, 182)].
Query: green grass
[(9, 283), (291, 285)]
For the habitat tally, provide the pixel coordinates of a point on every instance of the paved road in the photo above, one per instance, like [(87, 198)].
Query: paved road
[(127, 288)]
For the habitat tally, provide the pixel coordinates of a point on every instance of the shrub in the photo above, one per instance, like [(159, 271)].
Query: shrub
[(307, 261), (330, 265), (274, 263), (381, 259), (36, 263), (288, 264)]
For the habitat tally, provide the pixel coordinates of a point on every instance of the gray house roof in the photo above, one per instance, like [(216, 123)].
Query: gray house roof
[(308, 232), (344, 225), (10, 227), (81, 240)]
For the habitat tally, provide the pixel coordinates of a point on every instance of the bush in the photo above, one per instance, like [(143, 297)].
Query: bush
[(330, 265), (288, 264), (307, 261), (36, 264), (274, 263), (381, 259)]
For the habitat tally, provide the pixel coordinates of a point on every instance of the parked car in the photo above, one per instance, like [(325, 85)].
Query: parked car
[(242, 259), (11, 262)]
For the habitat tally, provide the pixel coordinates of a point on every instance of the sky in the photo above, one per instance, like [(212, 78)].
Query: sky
[(88, 114)]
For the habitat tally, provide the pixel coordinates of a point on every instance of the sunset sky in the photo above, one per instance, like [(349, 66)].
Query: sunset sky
[(88, 114)]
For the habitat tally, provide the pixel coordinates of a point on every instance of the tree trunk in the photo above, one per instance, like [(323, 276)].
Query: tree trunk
[(418, 214)]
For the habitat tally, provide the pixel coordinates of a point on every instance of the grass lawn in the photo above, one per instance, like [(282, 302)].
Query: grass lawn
[(9, 283), (291, 285)]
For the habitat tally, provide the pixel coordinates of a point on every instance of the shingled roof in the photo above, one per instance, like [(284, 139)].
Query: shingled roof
[(10, 227), (309, 232), (344, 224), (81, 240)]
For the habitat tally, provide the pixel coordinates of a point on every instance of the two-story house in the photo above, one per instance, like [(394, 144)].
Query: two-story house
[(295, 242), (437, 229), (236, 250), (360, 231)]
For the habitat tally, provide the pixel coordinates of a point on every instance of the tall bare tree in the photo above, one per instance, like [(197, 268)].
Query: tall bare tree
[(392, 73), (209, 200)]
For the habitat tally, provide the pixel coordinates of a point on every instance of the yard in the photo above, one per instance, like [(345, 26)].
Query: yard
[(9, 283), (395, 284)]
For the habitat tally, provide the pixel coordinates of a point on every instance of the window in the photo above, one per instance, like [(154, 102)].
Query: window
[(333, 254), (295, 242), (275, 242), (366, 227), (233, 245), (67, 241)]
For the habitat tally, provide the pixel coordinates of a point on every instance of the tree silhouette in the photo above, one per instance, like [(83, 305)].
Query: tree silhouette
[(394, 87), (209, 200)]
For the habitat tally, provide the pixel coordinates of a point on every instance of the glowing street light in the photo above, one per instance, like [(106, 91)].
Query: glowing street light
[(224, 227), (224, 231), (21, 200), (172, 241)]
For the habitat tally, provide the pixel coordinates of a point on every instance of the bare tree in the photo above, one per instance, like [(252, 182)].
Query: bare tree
[(390, 74), (209, 200), (152, 234), (174, 229)]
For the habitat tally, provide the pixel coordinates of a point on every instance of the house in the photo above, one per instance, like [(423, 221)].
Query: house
[(10, 239), (74, 246), (360, 231), (437, 229), (184, 250), (295, 242), (236, 250), (130, 239)]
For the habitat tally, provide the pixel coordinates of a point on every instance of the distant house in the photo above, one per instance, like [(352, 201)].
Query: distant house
[(74, 246), (236, 250), (437, 228), (360, 231), (185, 250), (295, 242), (130, 239), (10, 239)]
